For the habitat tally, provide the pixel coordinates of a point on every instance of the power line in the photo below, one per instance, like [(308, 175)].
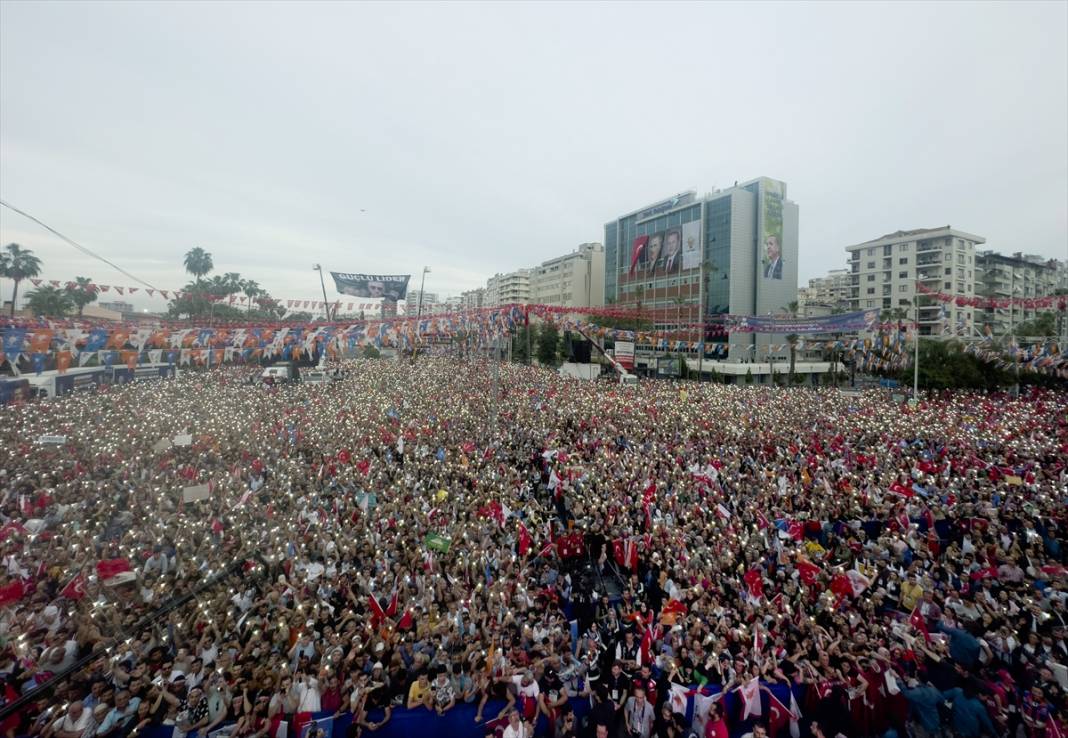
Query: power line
[(76, 245)]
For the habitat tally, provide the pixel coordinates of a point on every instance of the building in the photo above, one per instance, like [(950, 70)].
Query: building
[(571, 280), (687, 260), (1021, 276), (824, 295), (884, 273), (117, 306), (411, 301), (507, 289), (473, 299)]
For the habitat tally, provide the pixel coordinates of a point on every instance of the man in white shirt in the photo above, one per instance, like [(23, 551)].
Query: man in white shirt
[(307, 688), (74, 723), (517, 728)]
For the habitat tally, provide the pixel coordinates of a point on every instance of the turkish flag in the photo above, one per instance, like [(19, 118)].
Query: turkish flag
[(111, 567), (778, 715), (12, 593), (377, 614), (636, 251), (917, 621), (524, 540), (391, 609), (808, 572), (75, 588), (755, 582), (405, 621)]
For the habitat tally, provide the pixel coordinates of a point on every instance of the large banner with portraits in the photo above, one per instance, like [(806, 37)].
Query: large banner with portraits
[(771, 259), (392, 287), (669, 251)]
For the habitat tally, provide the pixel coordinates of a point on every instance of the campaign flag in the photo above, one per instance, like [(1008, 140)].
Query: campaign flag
[(751, 698), (437, 542), (679, 694)]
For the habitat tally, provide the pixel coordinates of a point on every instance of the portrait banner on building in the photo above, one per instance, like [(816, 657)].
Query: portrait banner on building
[(392, 287), (771, 260), (691, 244), (845, 323), (625, 354)]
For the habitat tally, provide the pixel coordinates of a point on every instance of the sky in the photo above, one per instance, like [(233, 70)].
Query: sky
[(481, 138)]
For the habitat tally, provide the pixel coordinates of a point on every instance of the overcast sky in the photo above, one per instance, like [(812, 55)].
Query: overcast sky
[(477, 138)]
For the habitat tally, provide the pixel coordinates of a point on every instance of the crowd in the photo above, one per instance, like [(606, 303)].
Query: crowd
[(558, 558)]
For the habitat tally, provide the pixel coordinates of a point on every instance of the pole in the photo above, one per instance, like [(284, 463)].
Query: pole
[(322, 284), (916, 356), (419, 309), (527, 323)]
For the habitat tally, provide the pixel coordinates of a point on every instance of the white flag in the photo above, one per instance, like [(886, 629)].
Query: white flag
[(751, 698)]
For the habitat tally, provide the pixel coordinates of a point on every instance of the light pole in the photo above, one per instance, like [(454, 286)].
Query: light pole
[(322, 284), (419, 308), (916, 356)]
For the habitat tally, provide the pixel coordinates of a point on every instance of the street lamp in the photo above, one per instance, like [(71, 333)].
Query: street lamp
[(419, 308), (322, 284)]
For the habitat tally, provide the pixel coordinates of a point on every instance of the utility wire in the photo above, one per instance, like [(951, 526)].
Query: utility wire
[(76, 245)]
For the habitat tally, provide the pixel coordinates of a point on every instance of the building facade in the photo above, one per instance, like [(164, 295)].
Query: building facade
[(509, 288), (884, 273), (571, 280), (473, 299), (1019, 276), (688, 260), (824, 295)]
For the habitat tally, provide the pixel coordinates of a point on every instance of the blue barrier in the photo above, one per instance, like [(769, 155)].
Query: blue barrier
[(459, 722)]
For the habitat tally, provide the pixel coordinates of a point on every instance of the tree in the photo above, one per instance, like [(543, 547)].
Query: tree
[(82, 294), (1043, 324), (548, 344), (198, 263), (519, 345), (302, 317), (49, 301), (18, 264), (252, 290), (792, 308), (370, 352)]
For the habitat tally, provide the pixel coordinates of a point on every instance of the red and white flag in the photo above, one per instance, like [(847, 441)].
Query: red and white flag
[(111, 568), (75, 588), (750, 692)]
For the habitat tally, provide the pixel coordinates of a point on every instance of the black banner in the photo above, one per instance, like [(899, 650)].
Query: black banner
[(388, 286)]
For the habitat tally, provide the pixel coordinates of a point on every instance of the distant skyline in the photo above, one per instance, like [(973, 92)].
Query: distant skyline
[(479, 138)]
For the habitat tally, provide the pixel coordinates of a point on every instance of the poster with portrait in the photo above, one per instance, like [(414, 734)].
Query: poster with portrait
[(392, 287), (771, 244), (691, 244)]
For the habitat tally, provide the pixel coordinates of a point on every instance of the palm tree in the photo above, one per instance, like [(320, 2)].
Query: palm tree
[(792, 308), (81, 293), (251, 289), (198, 263), (235, 281), (49, 301), (18, 264)]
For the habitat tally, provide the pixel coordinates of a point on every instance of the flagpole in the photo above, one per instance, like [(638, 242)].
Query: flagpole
[(916, 358)]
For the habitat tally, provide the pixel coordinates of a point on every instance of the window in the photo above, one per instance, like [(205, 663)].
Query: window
[(903, 260), (903, 247), (949, 270), (948, 285), (871, 252), (960, 258), (902, 275), (903, 302), (871, 290), (888, 249), (871, 265), (871, 303), (886, 302), (903, 288), (960, 287), (871, 277), (886, 289)]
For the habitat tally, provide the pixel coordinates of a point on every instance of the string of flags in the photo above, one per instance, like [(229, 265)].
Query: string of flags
[(1060, 302)]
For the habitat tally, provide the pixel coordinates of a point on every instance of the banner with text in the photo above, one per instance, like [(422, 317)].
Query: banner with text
[(392, 287), (845, 323)]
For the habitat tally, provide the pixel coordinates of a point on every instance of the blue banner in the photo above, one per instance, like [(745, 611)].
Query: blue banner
[(845, 323)]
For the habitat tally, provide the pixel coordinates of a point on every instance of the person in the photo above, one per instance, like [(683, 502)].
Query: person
[(73, 723), (672, 251), (638, 715), (653, 253), (716, 725), (669, 724), (420, 693), (518, 726), (772, 257), (444, 695), (119, 716)]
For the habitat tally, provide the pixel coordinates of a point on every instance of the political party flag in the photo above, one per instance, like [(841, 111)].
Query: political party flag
[(750, 692), (75, 588), (437, 542), (679, 694)]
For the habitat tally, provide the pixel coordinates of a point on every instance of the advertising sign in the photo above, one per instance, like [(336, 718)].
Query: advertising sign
[(691, 244), (667, 252), (625, 354), (669, 366), (392, 287), (771, 259)]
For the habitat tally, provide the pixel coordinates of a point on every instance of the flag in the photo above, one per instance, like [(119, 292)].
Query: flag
[(524, 539), (917, 621), (858, 581), (11, 593), (437, 542), (702, 705), (391, 609), (808, 572), (751, 698), (75, 588), (405, 621), (722, 511), (779, 714), (679, 694), (762, 521), (755, 582), (377, 614), (110, 568), (625, 552), (636, 251)]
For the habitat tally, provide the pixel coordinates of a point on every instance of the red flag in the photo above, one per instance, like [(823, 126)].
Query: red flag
[(111, 568), (674, 607), (762, 521), (75, 588), (405, 621), (391, 609), (841, 585), (755, 582), (377, 614), (636, 251), (778, 715), (646, 645), (11, 593), (524, 539), (917, 621), (808, 572)]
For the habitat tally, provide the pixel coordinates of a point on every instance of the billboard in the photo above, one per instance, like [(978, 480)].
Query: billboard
[(389, 286), (625, 354), (669, 366), (668, 251), (771, 258), (844, 323)]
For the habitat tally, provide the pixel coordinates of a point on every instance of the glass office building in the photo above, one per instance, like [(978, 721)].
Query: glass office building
[(733, 251)]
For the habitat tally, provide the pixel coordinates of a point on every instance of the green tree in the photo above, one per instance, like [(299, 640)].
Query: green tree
[(82, 294), (519, 344), (251, 290), (370, 352), (49, 302), (1043, 324), (548, 347), (198, 263), (18, 264), (302, 317)]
